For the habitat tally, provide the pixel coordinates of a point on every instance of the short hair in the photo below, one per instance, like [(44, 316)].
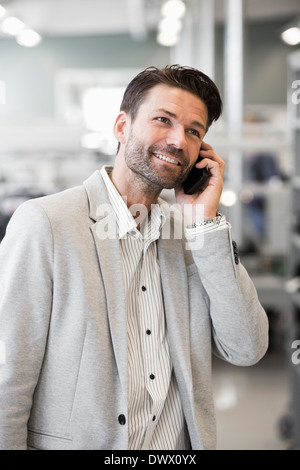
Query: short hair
[(186, 78)]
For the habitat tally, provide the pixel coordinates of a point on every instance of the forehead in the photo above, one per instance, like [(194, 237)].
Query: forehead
[(180, 102)]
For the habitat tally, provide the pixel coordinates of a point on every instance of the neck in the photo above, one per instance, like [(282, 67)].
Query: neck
[(132, 186)]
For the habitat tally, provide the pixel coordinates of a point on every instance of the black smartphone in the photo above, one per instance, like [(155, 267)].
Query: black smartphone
[(196, 179)]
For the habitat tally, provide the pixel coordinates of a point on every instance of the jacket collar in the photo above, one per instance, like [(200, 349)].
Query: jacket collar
[(97, 195)]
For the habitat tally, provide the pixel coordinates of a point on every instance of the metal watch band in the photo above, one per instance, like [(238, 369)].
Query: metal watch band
[(214, 220)]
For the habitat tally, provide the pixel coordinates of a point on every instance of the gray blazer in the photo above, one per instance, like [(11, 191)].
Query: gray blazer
[(63, 366)]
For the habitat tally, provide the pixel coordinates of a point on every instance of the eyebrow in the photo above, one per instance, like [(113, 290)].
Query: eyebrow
[(194, 123)]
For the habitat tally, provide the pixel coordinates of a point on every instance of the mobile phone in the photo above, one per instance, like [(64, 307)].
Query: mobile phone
[(196, 179)]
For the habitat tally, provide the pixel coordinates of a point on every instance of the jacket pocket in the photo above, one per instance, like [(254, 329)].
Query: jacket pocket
[(38, 440)]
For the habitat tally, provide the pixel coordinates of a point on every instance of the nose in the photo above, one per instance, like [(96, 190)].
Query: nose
[(177, 137)]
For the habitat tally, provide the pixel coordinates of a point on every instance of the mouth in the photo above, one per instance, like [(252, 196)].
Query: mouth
[(167, 159)]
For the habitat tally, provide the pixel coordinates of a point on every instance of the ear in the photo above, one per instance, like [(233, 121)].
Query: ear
[(121, 126)]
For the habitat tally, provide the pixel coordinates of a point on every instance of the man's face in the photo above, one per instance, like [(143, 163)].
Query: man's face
[(164, 140)]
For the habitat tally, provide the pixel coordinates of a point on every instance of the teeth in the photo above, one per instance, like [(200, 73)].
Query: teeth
[(166, 159)]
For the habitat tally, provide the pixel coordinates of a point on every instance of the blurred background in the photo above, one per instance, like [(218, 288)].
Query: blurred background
[(64, 65)]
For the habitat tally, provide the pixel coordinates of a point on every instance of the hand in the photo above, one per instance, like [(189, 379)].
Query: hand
[(209, 196)]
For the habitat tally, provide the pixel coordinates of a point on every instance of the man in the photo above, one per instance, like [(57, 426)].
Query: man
[(108, 320)]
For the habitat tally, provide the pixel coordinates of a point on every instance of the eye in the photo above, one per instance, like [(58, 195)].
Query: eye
[(194, 132), (163, 119)]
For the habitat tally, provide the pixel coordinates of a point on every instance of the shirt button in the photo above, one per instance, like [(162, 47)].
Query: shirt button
[(122, 419), (148, 332), (152, 376), (154, 418), (143, 288)]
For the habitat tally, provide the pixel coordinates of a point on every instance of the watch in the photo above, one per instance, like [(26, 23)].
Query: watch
[(214, 220)]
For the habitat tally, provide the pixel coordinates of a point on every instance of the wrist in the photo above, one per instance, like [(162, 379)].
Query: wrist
[(216, 219)]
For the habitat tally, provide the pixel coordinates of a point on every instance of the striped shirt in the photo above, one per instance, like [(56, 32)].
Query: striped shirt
[(155, 415)]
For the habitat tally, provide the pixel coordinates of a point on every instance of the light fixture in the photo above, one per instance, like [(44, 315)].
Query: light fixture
[(28, 38), (291, 36), (290, 32), (173, 9), (12, 25), (170, 25), (228, 198), (166, 39)]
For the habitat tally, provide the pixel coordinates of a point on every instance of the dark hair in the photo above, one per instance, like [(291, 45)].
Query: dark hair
[(186, 78)]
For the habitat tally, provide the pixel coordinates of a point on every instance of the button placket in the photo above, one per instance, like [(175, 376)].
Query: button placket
[(148, 320)]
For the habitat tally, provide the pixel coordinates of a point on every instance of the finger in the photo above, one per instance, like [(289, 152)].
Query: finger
[(205, 146), (215, 166), (210, 154), (208, 163)]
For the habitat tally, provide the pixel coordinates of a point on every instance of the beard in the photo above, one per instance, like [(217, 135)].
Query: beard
[(139, 159)]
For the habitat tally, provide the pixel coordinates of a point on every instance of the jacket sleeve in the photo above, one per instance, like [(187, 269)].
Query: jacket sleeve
[(239, 322), (26, 254)]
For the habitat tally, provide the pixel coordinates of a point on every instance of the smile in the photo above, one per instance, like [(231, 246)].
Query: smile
[(166, 159)]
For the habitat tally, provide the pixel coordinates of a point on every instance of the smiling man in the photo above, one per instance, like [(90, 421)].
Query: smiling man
[(108, 339), (169, 127)]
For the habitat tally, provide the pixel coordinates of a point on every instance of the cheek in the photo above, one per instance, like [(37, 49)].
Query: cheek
[(145, 137), (151, 131)]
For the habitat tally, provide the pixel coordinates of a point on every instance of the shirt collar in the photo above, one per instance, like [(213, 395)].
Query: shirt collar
[(125, 220)]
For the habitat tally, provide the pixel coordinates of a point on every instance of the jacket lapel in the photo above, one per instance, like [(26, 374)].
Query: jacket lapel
[(176, 303), (110, 263)]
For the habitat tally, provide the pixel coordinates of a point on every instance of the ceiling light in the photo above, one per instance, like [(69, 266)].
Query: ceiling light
[(167, 39), (291, 36), (170, 25), (173, 8), (12, 25), (28, 38)]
